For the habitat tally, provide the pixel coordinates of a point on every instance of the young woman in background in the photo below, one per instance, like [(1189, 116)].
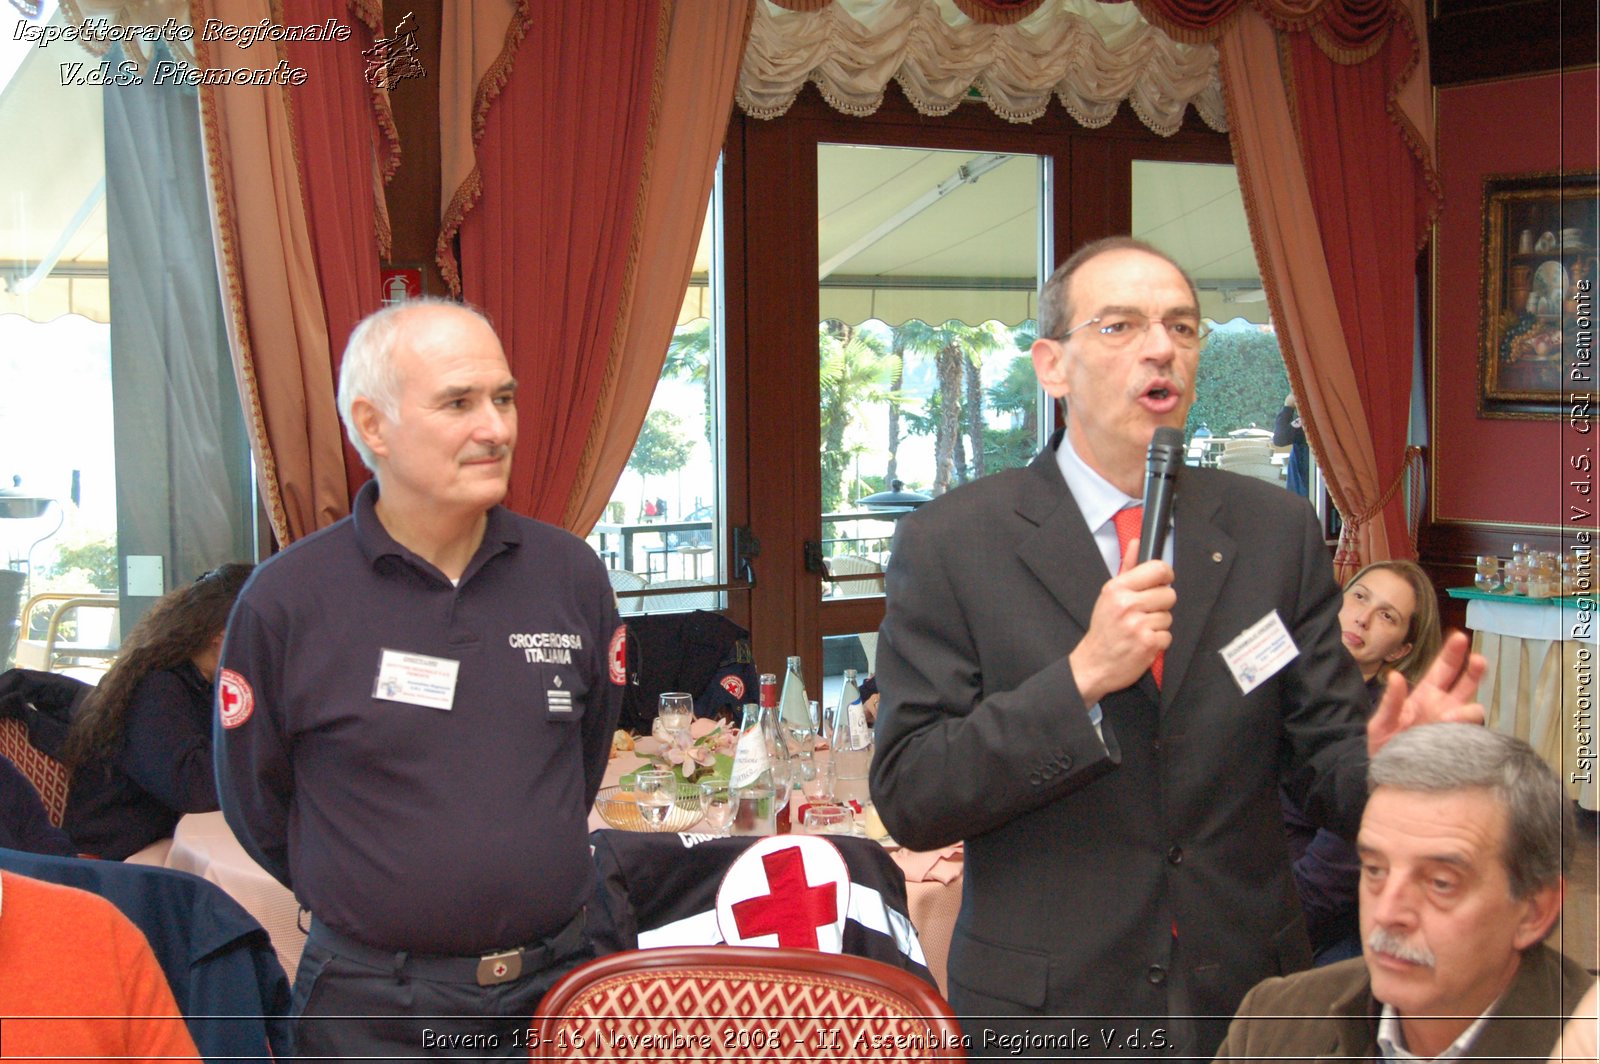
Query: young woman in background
[(140, 745)]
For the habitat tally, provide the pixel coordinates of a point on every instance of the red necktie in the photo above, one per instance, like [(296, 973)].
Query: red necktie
[(1128, 521)]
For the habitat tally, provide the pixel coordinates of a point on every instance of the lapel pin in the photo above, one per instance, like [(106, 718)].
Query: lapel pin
[(1216, 555)]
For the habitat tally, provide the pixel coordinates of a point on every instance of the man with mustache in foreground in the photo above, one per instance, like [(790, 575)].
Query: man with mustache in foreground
[(415, 710), (1462, 877)]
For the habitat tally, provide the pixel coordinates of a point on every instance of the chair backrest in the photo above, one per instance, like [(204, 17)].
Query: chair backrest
[(625, 580), (741, 1003), (97, 636), (691, 600), (1261, 468), (48, 776), (1254, 446), (855, 565)]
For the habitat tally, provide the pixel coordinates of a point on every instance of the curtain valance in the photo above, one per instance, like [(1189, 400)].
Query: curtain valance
[(1090, 56)]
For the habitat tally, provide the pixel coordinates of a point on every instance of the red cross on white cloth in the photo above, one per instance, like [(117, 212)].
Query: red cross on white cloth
[(786, 890)]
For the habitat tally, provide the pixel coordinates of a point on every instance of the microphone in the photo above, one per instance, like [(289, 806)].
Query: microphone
[(1162, 463)]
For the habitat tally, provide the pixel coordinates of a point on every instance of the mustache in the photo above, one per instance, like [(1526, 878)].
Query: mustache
[(491, 452), (1177, 381), (1381, 941)]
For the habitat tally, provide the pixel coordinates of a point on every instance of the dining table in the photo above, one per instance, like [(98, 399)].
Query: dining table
[(204, 845), (1539, 684), (933, 877)]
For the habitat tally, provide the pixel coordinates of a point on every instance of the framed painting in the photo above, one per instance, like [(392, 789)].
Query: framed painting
[(1537, 339)]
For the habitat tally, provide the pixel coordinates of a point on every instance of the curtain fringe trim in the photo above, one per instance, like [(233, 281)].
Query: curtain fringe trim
[(611, 375), (466, 197), (228, 239)]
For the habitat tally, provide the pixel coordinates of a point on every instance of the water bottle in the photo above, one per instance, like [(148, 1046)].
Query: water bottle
[(750, 781), (851, 744)]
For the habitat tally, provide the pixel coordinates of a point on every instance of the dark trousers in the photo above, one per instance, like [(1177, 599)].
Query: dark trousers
[(353, 1002)]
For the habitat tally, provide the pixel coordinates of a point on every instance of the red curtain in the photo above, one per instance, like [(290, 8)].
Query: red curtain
[(1366, 162), (346, 148), (1372, 220), (1349, 30), (549, 249)]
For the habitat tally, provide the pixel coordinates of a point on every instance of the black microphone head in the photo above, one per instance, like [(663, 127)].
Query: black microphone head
[(1166, 450)]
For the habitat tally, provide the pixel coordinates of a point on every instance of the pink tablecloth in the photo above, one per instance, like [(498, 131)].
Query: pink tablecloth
[(204, 845)]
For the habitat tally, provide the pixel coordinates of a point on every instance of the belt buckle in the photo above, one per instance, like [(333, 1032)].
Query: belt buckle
[(494, 968)]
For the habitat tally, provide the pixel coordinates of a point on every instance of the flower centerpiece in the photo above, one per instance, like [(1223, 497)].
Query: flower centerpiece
[(709, 751)]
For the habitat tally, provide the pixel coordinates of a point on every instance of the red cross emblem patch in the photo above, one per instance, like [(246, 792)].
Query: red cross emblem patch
[(617, 655), (235, 700), (786, 890)]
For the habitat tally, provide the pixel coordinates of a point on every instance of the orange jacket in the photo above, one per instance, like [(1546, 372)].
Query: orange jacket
[(77, 979)]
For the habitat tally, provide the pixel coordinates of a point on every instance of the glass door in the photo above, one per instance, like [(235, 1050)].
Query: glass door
[(880, 293), (927, 279)]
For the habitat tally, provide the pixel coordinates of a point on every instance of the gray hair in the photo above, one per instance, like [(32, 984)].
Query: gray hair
[(1454, 757), (1054, 310), (367, 368)]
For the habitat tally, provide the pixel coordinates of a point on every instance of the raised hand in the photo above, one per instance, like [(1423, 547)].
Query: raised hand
[(1444, 694)]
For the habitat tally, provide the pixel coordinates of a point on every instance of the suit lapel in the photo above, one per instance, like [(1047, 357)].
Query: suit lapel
[(1204, 554), (1060, 552)]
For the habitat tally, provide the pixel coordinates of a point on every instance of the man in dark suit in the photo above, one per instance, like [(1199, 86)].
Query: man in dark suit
[(1462, 878), (1124, 850)]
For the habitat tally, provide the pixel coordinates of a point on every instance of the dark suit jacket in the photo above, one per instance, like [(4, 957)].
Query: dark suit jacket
[(1082, 858), (1334, 1016)]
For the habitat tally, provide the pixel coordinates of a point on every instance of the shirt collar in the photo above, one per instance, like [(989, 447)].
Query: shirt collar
[(500, 533), (1097, 498), (1392, 1040)]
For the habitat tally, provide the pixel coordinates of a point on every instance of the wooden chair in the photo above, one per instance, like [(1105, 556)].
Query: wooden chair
[(740, 1003)]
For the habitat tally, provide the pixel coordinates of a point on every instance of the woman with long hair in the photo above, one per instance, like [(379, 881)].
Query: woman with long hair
[(1390, 623), (140, 745)]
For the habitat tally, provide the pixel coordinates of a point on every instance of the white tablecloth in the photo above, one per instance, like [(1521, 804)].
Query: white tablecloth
[(1540, 683)]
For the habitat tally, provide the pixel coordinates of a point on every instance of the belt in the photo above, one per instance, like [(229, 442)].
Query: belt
[(489, 969)]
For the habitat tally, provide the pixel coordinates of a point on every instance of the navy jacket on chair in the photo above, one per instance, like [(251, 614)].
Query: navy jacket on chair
[(221, 965)]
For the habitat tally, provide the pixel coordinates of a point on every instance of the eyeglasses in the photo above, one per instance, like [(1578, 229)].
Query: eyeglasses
[(1126, 328)]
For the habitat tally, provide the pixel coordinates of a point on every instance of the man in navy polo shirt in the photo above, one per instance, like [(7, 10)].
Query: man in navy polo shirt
[(415, 709)]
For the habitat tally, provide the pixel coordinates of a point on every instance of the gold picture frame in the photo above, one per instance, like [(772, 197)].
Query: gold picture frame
[(1539, 251)]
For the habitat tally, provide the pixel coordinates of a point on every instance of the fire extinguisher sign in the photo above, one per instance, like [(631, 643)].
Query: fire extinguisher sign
[(401, 283)]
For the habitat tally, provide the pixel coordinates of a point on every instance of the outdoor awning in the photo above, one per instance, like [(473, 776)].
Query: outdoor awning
[(894, 251), (53, 212)]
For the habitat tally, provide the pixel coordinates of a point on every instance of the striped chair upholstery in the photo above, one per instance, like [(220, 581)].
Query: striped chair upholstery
[(741, 1003)]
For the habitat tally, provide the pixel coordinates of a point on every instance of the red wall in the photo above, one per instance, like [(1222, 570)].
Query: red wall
[(1488, 469)]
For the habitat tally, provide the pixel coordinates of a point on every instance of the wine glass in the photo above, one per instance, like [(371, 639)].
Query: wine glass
[(716, 802), (671, 727), (655, 791), (825, 819), (1488, 578)]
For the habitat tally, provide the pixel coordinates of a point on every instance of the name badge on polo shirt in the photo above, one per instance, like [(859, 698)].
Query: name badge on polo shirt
[(1257, 653), (416, 679)]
